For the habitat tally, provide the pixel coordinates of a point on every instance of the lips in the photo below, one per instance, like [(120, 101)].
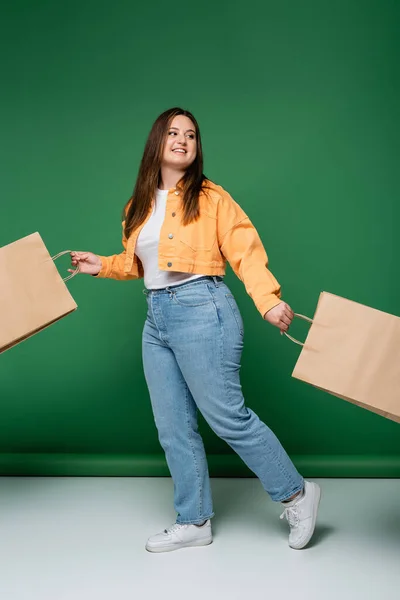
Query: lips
[(179, 151)]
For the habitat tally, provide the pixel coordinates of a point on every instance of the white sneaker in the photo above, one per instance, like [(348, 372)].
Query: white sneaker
[(180, 536), (301, 515)]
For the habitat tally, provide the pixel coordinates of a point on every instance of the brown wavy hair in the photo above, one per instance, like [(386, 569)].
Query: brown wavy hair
[(148, 178)]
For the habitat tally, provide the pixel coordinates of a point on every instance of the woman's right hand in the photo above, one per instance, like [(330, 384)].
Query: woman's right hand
[(87, 262)]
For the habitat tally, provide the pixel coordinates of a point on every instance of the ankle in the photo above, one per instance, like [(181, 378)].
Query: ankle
[(200, 524), (296, 496)]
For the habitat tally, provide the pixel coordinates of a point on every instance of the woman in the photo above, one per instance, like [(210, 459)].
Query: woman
[(179, 229)]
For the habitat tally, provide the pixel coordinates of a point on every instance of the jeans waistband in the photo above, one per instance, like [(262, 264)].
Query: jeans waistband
[(216, 279)]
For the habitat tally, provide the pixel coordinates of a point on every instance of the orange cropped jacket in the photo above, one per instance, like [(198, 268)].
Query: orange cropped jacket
[(223, 232)]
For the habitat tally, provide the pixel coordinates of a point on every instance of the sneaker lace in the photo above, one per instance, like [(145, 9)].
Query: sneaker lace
[(173, 528), (291, 515)]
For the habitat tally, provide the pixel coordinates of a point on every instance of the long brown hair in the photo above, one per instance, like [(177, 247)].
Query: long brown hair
[(148, 177)]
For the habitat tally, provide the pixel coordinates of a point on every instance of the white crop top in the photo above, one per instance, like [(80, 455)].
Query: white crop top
[(147, 249)]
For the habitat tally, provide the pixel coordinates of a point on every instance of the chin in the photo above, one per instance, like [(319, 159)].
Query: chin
[(182, 164)]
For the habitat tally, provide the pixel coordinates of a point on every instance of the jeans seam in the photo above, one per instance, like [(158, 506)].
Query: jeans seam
[(200, 506), (264, 445), (182, 522), (297, 489), (287, 475), (157, 317)]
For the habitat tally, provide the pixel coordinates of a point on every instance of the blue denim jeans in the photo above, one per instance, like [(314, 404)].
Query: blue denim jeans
[(192, 346)]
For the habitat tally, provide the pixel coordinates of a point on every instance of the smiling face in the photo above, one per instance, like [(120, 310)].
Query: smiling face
[(180, 146)]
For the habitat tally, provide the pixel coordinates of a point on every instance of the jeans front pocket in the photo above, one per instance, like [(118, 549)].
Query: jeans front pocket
[(236, 312), (193, 295)]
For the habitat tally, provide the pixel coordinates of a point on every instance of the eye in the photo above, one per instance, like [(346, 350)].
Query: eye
[(172, 133), (191, 136)]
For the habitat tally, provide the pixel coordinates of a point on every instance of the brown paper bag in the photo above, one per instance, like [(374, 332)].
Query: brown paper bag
[(32, 293), (353, 352)]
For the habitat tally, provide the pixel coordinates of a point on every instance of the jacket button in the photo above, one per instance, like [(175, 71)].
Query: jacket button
[(169, 264), (174, 214), (170, 236)]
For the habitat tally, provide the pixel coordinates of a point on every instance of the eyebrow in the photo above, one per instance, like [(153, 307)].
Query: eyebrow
[(185, 131)]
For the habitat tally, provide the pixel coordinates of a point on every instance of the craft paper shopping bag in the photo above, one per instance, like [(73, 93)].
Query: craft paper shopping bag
[(353, 351), (33, 295)]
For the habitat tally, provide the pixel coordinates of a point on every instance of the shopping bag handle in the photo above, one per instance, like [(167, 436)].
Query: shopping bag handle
[(62, 254), (304, 319)]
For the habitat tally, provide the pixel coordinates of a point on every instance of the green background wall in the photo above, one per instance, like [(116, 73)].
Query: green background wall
[(298, 105)]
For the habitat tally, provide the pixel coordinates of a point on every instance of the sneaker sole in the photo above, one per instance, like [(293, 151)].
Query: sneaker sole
[(204, 542), (314, 520)]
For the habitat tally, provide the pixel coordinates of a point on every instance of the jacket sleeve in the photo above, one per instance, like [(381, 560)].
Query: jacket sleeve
[(241, 245), (112, 267)]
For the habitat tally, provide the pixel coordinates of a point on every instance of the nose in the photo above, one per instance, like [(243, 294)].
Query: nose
[(181, 139)]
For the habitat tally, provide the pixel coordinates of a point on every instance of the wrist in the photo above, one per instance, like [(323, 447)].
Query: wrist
[(272, 308), (99, 267)]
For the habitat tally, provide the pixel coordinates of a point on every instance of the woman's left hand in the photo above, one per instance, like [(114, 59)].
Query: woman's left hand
[(280, 316)]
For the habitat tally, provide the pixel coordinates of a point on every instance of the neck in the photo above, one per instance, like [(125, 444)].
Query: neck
[(169, 178)]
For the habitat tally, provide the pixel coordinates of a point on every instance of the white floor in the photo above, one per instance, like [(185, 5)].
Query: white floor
[(83, 539)]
